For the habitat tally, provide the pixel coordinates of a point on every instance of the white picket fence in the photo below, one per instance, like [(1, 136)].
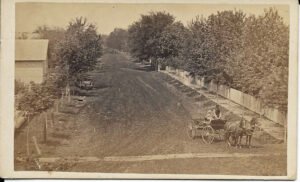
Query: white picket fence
[(234, 95)]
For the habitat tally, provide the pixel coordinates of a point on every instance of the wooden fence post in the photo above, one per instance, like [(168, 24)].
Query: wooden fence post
[(27, 135), (68, 93), (36, 145), (52, 117), (285, 134), (57, 104), (45, 129)]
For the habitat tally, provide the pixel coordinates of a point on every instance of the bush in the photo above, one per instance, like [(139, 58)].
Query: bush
[(20, 87), (36, 100)]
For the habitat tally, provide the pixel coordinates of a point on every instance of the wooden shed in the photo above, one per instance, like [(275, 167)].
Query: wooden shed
[(31, 62)]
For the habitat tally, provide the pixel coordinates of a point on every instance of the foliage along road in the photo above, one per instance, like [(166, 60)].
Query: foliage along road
[(137, 112)]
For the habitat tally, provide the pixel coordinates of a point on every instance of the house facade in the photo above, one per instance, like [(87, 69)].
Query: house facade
[(31, 62)]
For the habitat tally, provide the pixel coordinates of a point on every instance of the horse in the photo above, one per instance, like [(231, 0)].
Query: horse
[(233, 130), (249, 127), (236, 130)]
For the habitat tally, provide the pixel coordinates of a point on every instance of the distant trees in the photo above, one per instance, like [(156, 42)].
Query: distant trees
[(54, 35), (117, 39), (249, 53), (144, 35), (21, 35)]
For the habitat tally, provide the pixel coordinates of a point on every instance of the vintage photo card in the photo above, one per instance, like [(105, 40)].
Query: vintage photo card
[(149, 89)]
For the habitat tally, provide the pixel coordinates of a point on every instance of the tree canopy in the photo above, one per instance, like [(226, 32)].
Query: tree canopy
[(246, 52), (144, 34), (117, 39), (80, 47)]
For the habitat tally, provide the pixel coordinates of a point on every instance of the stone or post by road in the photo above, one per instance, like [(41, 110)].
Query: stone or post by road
[(68, 93)]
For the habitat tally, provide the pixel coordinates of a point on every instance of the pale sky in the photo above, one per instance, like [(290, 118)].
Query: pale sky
[(109, 16)]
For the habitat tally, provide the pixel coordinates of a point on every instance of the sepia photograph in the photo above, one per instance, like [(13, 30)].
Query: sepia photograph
[(153, 88)]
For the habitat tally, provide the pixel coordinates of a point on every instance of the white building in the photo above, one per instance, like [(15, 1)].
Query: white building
[(31, 60)]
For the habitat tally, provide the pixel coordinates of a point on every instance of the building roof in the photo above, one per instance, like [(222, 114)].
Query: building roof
[(31, 50)]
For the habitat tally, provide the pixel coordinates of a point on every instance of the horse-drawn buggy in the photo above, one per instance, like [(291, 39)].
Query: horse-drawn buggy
[(231, 132), (209, 130)]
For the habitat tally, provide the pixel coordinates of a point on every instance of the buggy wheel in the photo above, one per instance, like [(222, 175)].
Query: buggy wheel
[(208, 134), (191, 130)]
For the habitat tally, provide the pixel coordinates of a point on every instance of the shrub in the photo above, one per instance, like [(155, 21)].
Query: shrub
[(20, 87)]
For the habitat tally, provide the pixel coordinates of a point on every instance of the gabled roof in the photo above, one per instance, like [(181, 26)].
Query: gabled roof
[(31, 50)]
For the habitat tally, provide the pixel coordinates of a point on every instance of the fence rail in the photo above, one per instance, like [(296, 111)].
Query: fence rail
[(243, 99)]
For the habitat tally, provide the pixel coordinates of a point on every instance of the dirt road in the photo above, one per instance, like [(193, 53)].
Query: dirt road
[(138, 120)]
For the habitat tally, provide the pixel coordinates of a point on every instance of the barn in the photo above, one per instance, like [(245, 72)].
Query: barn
[(31, 62)]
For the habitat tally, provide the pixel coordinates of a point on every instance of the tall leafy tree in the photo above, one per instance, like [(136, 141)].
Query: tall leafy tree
[(80, 47), (216, 40), (145, 33), (174, 43), (264, 59)]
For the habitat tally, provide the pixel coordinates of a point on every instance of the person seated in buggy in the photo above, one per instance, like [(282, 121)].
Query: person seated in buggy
[(208, 117), (214, 114), (217, 113)]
